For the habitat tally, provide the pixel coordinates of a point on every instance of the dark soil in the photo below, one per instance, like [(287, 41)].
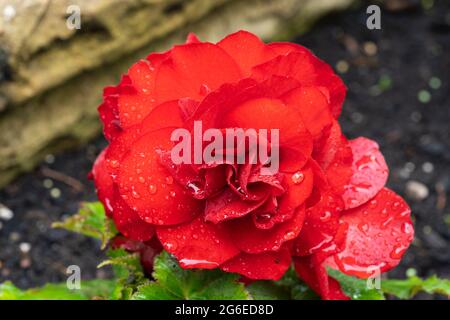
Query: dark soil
[(398, 94)]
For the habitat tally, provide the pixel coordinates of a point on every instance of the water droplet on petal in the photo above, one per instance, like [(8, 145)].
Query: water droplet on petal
[(152, 189), (114, 163), (398, 251), (169, 180), (363, 227), (298, 177), (325, 216)]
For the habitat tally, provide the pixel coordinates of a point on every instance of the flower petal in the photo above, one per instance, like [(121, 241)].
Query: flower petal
[(251, 239), (128, 221), (228, 205), (262, 266), (198, 244), (312, 271), (103, 182), (320, 227), (309, 70), (194, 68), (299, 186), (313, 107), (148, 188), (370, 173), (246, 49), (379, 232)]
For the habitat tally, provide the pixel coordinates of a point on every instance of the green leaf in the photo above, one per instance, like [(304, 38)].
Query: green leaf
[(407, 288), (90, 289), (268, 290), (355, 288), (90, 221), (128, 273), (174, 283)]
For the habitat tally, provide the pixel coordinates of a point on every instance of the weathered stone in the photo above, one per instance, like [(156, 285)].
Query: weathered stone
[(51, 77)]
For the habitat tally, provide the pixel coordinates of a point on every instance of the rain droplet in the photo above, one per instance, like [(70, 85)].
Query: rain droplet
[(135, 194), (114, 163), (169, 180), (152, 189), (298, 177), (325, 216), (363, 227), (398, 252), (407, 228)]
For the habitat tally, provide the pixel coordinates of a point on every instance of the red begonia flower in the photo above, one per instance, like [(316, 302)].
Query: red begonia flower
[(326, 206)]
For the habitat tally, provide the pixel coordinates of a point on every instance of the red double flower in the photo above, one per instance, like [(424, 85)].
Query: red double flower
[(325, 207)]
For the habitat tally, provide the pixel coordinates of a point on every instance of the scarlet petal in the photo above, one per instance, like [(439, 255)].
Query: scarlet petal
[(320, 227), (251, 239), (264, 113), (194, 66), (246, 49), (379, 232), (313, 272), (165, 115), (103, 182), (133, 107), (198, 244), (308, 70), (128, 221), (228, 205), (335, 157), (148, 188), (370, 173), (313, 107), (142, 75), (298, 187), (263, 266), (192, 38)]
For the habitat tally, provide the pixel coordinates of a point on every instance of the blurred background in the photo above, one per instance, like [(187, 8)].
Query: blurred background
[(52, 75)]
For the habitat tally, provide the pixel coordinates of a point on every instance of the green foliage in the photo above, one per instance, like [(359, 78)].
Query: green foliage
[(90, 221), (406, 289), (91, 289), (128, 273), (287, 288), (355, 288), (174, 283)]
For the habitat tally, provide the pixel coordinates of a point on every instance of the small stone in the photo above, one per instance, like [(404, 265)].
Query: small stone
[(25, 247), (342, 66), (25, 263), (6, 213), (370, 48), (47, 183), (416, 190), (55, 193), (357, 117), (427, 167), (50, 158), (14, 236)]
